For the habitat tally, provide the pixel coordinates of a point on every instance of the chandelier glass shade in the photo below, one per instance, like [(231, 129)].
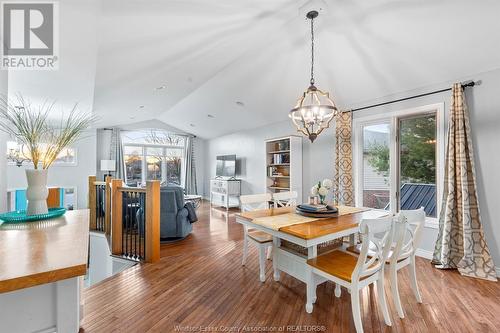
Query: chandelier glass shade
[(315, 109)]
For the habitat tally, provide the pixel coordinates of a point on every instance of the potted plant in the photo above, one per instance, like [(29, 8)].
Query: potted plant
[(42, 140), (321, 189)]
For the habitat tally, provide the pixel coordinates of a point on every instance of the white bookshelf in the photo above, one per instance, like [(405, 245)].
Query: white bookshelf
[(284, 165)]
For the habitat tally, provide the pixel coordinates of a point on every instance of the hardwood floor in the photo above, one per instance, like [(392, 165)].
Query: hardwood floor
[(199, 284)]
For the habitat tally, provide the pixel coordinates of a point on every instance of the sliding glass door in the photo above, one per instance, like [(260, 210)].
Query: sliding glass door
[(376, 165), (398, 160), (417, 138)]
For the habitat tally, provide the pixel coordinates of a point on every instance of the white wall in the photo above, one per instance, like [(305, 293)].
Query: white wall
[(250, 152), (72, 83), (65, 176), (484, 105), (4, 83)]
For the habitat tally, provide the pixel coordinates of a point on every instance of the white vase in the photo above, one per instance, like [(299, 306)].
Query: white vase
[(37, 192)]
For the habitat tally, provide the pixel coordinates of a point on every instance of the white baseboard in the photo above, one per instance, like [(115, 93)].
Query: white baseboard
[(424, 254)]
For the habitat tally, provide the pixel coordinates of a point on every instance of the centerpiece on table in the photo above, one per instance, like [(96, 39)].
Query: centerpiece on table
[(321, 189), (321, 209), (42, 140)]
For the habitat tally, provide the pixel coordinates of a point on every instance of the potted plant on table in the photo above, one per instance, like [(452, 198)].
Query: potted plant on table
[(42, 140), (321, 189)]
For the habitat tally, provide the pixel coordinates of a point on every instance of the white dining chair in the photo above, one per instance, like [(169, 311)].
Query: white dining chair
[(403, 254), (356, 272), (285, 199), (262, 240)]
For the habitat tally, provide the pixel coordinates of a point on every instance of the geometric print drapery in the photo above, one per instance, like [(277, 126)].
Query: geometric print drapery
[(343, 187), (461, 243)]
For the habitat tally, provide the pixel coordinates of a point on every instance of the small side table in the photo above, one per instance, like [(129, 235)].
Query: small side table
[(195, 199)]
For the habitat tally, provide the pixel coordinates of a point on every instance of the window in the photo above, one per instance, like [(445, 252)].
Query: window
[(174, 165), (133, 157), (154, 155), (154, 159), (16, 152), (398, 158)]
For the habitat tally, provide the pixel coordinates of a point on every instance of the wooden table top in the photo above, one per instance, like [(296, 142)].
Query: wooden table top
[(314, 229), (41, 252)]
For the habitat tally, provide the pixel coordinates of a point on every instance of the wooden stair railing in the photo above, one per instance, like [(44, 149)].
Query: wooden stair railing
[(135, 221), (129, 216)]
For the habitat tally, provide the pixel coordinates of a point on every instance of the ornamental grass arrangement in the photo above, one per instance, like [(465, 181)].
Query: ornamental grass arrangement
[(42, 140)]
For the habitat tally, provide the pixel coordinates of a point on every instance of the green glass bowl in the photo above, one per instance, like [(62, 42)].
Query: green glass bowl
[(19, 216)]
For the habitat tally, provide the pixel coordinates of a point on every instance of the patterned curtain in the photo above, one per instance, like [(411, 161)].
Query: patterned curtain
[(116, 153), (343, 184), (190, 173), (461, 244)]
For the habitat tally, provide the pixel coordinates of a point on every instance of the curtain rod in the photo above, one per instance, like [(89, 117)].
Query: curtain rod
[(124, 130), (464, 85)]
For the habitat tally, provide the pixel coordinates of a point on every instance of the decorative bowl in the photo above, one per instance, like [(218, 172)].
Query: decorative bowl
[(20, 216)]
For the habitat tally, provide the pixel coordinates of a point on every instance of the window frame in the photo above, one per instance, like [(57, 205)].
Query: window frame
[(144, 147), (392, 118)]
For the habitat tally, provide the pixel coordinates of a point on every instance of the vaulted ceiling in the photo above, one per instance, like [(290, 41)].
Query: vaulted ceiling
[(181, 61)]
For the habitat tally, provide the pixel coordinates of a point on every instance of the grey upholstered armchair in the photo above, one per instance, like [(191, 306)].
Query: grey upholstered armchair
[(174, 222)]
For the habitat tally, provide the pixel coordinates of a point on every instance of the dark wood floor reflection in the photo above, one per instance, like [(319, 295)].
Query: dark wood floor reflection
[(200, 282)]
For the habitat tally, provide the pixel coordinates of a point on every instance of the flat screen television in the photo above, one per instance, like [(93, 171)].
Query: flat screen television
[(226, 166)]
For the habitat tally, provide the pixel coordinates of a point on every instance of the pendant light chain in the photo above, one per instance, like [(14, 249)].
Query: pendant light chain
[(314, 110), (312, 51)]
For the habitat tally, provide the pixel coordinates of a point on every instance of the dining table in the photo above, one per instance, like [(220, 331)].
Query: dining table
[(284, 224)]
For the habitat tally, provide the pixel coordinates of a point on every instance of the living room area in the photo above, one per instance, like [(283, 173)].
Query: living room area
[(249, 166)]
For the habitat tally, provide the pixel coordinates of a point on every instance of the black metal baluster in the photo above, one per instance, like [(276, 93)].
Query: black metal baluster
[(101, 212), (103, 209), (97, 207), (134, 226), (128, 223), (137, 224), (124, 220), (144, 227)]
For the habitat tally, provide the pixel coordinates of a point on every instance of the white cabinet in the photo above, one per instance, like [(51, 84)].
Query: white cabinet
[(225, 193)]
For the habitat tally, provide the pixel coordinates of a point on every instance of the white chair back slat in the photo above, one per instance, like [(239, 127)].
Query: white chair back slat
[(285, 199), (367, 266), (408, 241), (254, 201)]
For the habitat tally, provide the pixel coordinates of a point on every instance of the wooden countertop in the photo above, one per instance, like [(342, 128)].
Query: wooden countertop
[(317, 228), (42, 252)]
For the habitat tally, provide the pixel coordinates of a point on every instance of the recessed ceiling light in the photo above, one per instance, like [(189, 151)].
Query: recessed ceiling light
[(160, 88), (240, 103), (192, 125), (210, 115)]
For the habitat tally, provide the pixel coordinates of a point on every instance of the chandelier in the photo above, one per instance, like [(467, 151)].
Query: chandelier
[(16, 155), (314, 109)]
